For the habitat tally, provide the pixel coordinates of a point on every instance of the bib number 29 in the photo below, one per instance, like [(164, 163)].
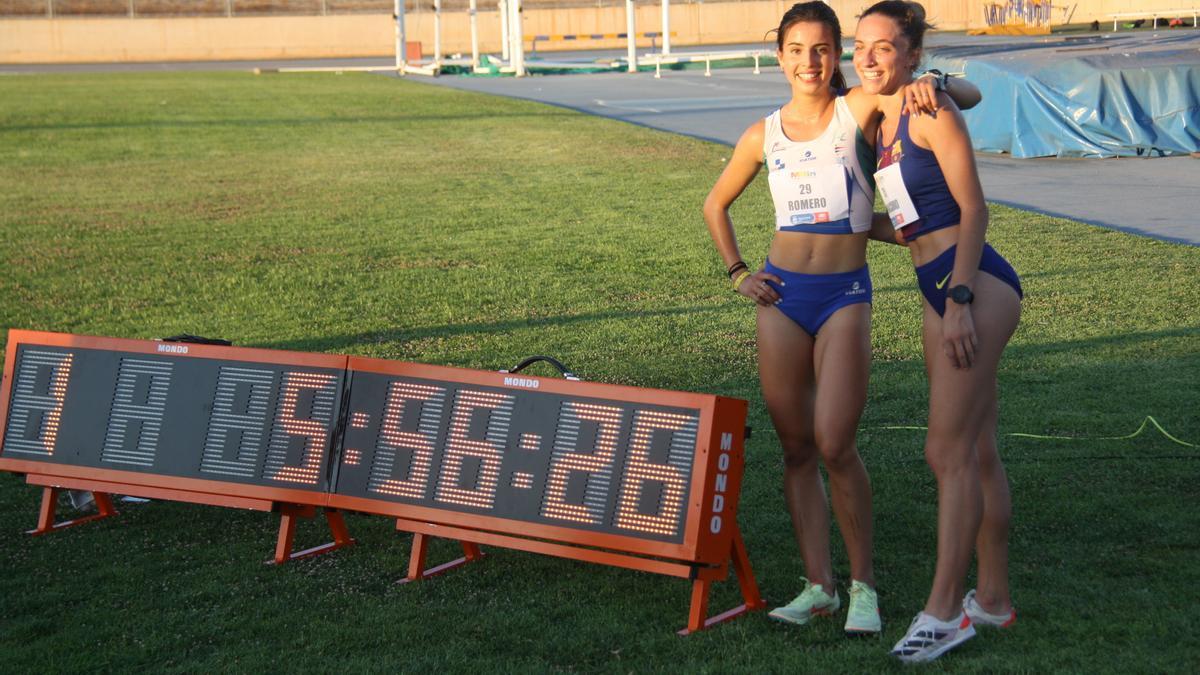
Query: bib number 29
[(797, 204)]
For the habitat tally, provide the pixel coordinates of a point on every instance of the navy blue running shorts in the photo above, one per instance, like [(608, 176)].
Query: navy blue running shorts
[(934, 276), (810, 299)]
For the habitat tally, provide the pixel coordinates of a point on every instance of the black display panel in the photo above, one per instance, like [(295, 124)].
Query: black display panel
[(506, 451), (606, 466), (172, 415)]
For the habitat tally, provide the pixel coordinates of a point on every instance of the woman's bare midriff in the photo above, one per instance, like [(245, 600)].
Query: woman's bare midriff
[(809, 253), (929, 246)]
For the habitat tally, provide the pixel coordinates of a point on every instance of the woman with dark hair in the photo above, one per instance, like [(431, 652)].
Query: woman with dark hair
[(926, 173), (813, 296)]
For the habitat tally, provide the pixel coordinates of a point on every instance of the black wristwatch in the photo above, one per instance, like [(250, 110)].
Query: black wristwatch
[(961, 295), (939, 78)]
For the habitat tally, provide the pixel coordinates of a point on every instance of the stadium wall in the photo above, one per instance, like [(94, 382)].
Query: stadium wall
[(92, 40)]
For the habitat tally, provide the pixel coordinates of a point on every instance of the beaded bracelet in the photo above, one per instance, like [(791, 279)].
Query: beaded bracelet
[(737, 281)]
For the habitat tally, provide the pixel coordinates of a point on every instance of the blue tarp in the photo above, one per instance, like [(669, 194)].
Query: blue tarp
[(1105, 96)]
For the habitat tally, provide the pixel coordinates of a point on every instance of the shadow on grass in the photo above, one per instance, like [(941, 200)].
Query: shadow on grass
[(1125, 339), (349, 343)]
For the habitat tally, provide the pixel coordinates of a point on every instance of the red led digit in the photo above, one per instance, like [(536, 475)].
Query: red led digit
[(314, 430), (420, 443), (567, 458), (247, 425), (673, 475), (488, 449), (134, 419), (43, 410)]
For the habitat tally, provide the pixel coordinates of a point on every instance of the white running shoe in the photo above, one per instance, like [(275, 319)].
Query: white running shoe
[(929, 638), (981, 617)]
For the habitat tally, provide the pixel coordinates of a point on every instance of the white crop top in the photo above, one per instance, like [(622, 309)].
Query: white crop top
[(819, 185)]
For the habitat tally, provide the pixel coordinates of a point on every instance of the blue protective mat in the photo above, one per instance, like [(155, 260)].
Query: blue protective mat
[(1101, 96)]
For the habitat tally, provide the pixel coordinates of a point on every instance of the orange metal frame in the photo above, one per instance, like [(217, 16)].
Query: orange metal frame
[(102, 483), (102, 491), (701, 576), (711, 542), (47, 514), (287, 533), (703, 557)]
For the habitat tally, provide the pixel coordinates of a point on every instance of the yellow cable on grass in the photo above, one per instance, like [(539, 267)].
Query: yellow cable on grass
[(1149, 420)]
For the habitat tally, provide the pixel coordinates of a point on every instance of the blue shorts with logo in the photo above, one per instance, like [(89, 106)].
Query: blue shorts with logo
[(810, 299), (934, 276)]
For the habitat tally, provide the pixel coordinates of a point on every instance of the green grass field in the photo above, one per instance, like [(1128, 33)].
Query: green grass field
[(370, 216)]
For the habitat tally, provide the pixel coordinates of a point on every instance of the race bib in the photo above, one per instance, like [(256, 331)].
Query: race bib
[(809, 195), (895, 196)]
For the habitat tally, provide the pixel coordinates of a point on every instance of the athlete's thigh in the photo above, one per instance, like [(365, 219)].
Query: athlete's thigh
[(785, 367), (842, 363), (996, 311), (959, 399)]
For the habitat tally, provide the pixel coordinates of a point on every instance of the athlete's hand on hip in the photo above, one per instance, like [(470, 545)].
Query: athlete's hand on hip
[(757, 289), (958, 335), (920, 96)]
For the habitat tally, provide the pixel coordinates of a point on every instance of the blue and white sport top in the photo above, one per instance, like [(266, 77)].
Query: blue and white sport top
[(819, 185)]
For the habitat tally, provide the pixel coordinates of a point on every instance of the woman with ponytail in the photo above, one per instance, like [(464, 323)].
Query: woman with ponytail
[(972, 302)]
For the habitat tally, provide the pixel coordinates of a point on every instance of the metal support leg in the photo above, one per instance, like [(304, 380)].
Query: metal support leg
[(289, 513), (48, 511), (699, 609), (420, 549), (752, 600), (745, 575)]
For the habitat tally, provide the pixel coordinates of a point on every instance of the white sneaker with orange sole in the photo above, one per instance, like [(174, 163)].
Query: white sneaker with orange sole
[(981, 617)]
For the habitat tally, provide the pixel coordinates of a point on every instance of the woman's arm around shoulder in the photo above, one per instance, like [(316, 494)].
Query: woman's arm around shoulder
[(920, 96), (865, 108), (963, 92)]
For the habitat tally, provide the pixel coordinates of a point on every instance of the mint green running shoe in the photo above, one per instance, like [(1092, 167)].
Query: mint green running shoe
[(862, 619), (812, 601)]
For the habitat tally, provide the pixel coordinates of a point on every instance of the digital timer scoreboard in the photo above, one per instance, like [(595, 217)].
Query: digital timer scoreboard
[(256, 423), (639, 478), (536, 452)]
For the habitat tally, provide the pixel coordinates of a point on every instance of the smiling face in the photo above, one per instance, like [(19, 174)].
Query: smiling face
[(809, 57), (882, 57)]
